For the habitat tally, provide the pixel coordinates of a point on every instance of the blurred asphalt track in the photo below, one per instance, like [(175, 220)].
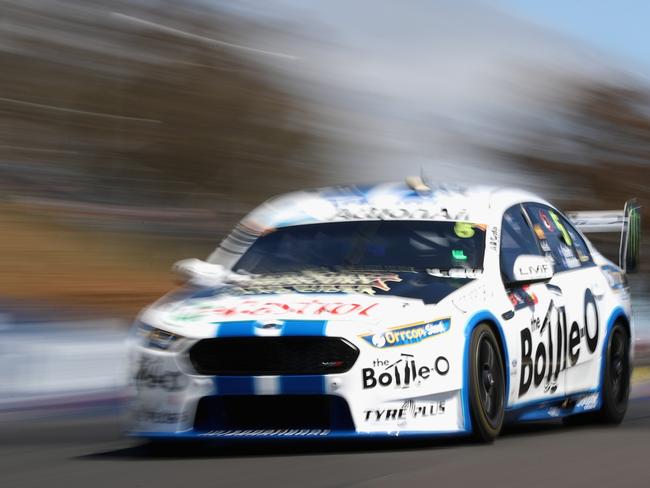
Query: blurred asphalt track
[(71, 436), (88, 450)]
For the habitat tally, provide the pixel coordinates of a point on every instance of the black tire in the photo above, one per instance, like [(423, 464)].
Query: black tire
[(486, 384), (616, 380)]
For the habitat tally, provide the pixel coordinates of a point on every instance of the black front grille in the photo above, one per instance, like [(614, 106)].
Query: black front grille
[(273, 412), (236, 356)]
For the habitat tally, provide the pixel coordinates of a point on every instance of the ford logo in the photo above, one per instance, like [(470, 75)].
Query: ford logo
[(269, 324)]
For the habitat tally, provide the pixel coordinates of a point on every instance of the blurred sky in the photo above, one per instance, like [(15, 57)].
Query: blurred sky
[(417, 81), (617, 27)]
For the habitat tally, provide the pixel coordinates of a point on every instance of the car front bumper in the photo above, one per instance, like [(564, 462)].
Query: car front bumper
[(395, 391)]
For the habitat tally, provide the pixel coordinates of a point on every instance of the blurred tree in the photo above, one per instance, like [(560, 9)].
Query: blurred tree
[(132, 134), (147, 103)]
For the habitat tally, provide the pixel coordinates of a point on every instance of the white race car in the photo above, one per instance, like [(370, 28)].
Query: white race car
[(391, 310)]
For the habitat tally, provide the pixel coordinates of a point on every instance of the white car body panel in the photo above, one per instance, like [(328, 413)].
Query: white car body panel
[(398, 338)]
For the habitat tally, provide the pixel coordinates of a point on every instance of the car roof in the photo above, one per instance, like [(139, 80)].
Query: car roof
[(386, 201)]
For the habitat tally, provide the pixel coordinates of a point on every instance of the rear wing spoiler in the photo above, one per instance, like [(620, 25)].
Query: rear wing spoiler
[(626, 221)]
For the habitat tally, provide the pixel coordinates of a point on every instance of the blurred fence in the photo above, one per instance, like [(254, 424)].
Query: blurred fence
[(50, 364)]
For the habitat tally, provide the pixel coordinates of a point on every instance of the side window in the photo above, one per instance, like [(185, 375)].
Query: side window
[(516, 239), (558, 238), (582, 250)]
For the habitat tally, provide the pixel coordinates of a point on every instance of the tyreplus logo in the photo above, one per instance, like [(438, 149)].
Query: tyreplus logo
[(407, 334), (403, 373)]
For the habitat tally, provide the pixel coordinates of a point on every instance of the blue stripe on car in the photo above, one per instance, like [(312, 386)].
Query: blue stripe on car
[(289, 384), (235, 385), (243, 328), (307, 384), (302, 385), (304, 328)]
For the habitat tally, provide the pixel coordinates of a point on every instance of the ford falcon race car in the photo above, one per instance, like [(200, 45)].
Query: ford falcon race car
[(391, 310)]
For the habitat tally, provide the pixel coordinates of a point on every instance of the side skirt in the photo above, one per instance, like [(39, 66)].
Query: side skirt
[(586, 401)]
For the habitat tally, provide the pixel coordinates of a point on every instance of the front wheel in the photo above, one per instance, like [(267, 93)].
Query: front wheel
[(486, 384), (616, 380)]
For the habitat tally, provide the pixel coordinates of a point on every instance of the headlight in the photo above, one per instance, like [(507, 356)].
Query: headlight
[(155, 338)]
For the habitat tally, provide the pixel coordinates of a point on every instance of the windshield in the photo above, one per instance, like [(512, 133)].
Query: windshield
[(377, 244)]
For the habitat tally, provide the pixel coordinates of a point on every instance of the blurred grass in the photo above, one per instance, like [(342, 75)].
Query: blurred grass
[(641, 374), (46, 262)]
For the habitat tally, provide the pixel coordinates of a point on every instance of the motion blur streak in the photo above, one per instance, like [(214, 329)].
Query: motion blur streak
[(188, 35), (136, 133)]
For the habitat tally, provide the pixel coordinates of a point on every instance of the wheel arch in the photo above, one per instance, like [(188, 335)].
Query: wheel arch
[(483, 317), (624, 321), (617, 316), (500, 341)]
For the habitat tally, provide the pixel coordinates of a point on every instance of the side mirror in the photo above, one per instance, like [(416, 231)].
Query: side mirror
[(530, 268), (202, 273)]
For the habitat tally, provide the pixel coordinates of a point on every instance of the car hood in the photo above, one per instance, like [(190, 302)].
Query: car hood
[(366, 298)]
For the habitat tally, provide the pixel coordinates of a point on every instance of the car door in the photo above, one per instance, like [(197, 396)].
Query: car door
[(532, 327), (581, 284)]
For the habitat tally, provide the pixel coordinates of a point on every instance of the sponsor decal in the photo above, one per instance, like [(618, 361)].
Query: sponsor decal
[(588, 402), (267, 432), (260, 308), (551, 347), (634, 236), (539, 232), (403, 373), (151, 374), (464, 230), (458, 255), (513, 368), (546, 221), (551, 258), (159, 417), (187, 316), (582, 256), (409, 410), (550, 386), (472, 297), (570, 260), (311, 307), (493, 238), (553, 412), (470, 273), (565, 234), (319, 282), (534, 272), (522, 297), (408, 334), (402, 212)]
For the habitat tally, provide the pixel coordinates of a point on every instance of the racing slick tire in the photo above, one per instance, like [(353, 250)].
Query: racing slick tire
[(616, 379), (486, 384)]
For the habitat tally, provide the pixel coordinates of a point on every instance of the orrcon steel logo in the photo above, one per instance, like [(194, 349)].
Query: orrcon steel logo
[(408, 334)]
